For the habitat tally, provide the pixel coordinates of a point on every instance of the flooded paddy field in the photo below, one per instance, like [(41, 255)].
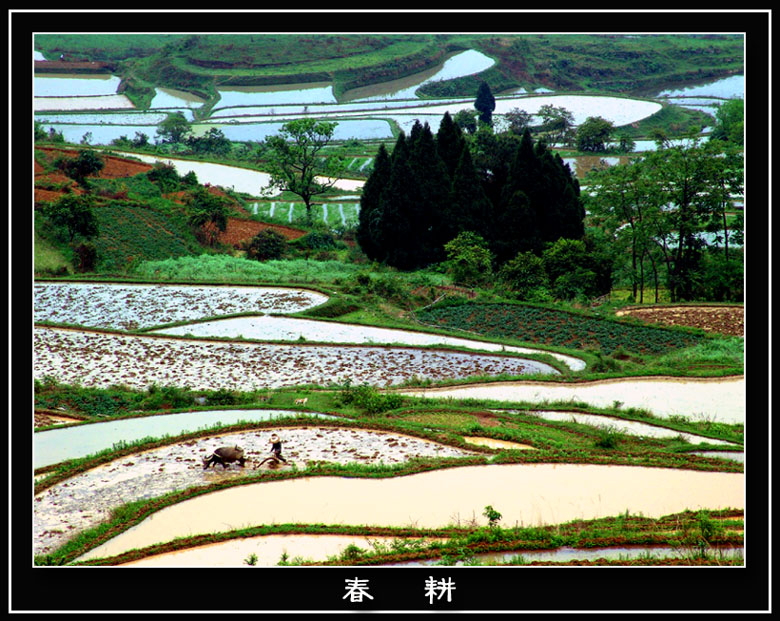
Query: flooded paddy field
[(566, 554), (102, 360), (57, 445), (129, 307), (290, 328), (526, 495), (87, 499), (716, 399), (625, 426), (268, 549)]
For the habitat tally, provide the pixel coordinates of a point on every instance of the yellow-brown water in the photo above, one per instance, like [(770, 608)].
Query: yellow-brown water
[(525, 495), (494, 443), (268, 549)]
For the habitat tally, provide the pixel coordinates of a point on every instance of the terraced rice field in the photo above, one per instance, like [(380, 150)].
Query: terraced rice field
[(334, 213), (530, 495), (293, 329), (721, 400), (102, 360), (87, 499), (131, 307)]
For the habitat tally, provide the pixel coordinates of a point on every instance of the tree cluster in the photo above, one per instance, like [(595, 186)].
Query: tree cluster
[(516, 195), (668, 216)]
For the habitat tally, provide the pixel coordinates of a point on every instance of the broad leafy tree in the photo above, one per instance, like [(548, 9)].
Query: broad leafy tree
[(518, 120), (87, 162), (296, 161), (730, 122), (207, 213), (266, 245), (75, 214), (594, 134), (174, 129), (556, 122), (468, 259), (212, 142), (466, 120)]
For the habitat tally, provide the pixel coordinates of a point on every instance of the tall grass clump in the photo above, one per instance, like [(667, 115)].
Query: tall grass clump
[(368, 399), (727, 350), (224, 267)]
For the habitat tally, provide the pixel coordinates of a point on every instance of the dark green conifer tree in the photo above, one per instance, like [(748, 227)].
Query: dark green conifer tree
[(370, 206), (485, 103), (430, 213), (471, 208), (449, 143)]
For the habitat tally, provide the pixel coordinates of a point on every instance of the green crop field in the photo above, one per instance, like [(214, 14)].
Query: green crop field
[(131, 233), (549, 327)]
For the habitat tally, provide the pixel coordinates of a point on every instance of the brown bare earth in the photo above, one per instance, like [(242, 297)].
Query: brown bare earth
[(729, 320), (239, 230), (113, 168)]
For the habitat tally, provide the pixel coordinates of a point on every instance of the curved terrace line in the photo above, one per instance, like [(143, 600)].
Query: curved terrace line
[(525, 494), (273, 328), (720, 399), (102, 358)]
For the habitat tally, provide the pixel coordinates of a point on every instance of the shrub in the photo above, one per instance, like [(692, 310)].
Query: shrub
[(523, 274), (318, 240), (368, 398), (468, 259), (266, 245)]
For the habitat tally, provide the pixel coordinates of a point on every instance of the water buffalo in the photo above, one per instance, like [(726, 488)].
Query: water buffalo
[(225, 455)]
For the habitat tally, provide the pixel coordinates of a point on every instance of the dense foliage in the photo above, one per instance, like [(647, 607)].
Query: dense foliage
[(516, 195), (668, 213)]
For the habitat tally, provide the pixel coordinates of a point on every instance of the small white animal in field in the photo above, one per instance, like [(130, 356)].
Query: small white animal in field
[(301, 401)]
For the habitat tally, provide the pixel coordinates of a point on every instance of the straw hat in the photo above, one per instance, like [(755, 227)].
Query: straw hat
[(274, 437)]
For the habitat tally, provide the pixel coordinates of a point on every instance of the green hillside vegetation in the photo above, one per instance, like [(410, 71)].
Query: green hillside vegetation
[(607, 63)]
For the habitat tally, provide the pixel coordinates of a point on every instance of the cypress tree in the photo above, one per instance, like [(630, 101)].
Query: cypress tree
[(370, 206), (449, 143), (516, 229), (485, 103), (471, 209), (398, 240), (430, 212)]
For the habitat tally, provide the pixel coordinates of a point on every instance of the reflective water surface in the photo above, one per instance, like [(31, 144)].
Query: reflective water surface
[(526, 495)]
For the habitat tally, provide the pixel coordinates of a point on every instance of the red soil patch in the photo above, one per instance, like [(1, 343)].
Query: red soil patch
[(239, 230), (65, 66), (113, 168), (728, 320)]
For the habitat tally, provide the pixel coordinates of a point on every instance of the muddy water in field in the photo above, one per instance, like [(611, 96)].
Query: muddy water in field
[(721, 400), (497, 444), (527, 494), (565, 554), (269, 550)]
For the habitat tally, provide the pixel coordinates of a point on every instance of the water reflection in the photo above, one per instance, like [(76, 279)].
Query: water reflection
[(72, 85), (527, 495), (462, 64), (725, 88), (566, 554), (320, 92), (58, 445), (172, 98)]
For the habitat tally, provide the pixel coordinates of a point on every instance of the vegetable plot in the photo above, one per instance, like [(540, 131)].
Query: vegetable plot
[(549, 327)]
